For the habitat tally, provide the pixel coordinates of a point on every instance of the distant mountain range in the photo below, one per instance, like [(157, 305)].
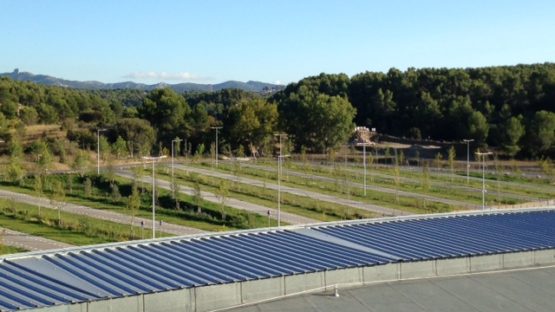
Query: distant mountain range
[(252, 86)]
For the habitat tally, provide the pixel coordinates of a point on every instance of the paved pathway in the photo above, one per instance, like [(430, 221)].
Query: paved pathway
[(29, 242), (231, 202), (98, 213), (296, 191)]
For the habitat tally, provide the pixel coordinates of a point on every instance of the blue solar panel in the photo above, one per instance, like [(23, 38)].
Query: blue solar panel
[(448, 237), (122, 270)]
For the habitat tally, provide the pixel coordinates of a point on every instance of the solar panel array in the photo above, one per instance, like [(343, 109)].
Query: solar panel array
[(437, 238), (100, 273)]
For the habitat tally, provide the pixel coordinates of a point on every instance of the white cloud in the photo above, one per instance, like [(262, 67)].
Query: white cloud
[(165, 76)]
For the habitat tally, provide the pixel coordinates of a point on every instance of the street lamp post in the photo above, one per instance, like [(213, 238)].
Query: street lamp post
[(483, 155), (154, 160), (176, 140), (467, 141), (98, 149), (364, 161), (217, 129), (280, 160), (280, 157)]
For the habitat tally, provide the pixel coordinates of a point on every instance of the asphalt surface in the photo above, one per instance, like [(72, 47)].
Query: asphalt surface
[(231, 202), (512, 291), (29, 242), (296, 191), (98, 213)]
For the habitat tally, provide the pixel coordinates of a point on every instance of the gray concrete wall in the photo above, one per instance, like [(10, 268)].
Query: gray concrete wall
[(418, 269), (486, 263), (518, 260), (303, 282), (169, 301), (380, 273), (544, 257), (134, 303), (216, 297), (452, 266), (343, 276), (253, 291)]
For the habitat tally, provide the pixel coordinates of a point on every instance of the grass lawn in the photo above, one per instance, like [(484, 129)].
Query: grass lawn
[(73, 229)]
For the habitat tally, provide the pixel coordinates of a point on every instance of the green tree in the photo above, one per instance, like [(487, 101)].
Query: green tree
[(197, 194), (81, 162), (438, 159), (87, 187), (57, 197), (114, 192), (513, 132), (541, 134), (133, 204), (478, 127), (451, 160), (305, 113), (138, 133), (42, 154), (16, 171), (251, 123), (119, 148), (38, 187), (223, 193), (166, 111), (29, 115)]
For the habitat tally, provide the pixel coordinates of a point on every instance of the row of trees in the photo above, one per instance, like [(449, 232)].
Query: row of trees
[(511, 108)]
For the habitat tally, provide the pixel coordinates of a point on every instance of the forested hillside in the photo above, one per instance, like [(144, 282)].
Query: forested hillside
[(507, 108)]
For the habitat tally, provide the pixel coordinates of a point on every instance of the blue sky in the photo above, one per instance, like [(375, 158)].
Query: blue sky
[(274, 41)]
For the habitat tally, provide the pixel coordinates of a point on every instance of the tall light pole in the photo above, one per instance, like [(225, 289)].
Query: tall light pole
[(98, 149), (217, 129), (280, 157), (483, 155), (154, 160), (364, 161), (280, 161), (467, 141), (176, 140)]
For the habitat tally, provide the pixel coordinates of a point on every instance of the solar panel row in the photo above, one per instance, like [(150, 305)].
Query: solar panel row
[(101, 273), (453, 236)]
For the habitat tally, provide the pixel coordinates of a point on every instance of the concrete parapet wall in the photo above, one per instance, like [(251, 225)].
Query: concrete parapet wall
[(256, 290), (134, 303), (417, 269), (544, 257), (452, 266), (486, 263), (303, 282), (518, 259), (343, 276), (176, 300), (215, 297), (379, 273)]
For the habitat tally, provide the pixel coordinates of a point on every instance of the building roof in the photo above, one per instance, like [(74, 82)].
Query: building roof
[(508, 291), (123, 269)]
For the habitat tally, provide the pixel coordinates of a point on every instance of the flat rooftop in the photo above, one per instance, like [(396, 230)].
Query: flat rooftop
[(507, 291)]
